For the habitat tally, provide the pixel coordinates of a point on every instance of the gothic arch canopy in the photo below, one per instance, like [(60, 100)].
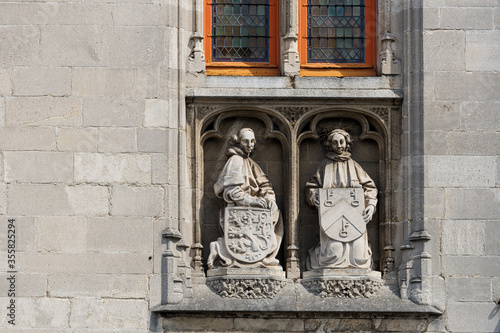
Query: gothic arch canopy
[(288, 127)]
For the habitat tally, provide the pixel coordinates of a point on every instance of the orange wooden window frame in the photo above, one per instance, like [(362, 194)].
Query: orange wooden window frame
[(327, 69), (244, 68)]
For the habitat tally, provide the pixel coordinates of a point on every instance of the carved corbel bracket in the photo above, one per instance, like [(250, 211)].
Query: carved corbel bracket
[(420, 236), (388, 267), (390, 65), (414, 275), (177, 274), (197, 260), (172, 237), (421, 269), (291, 63), (420, 290), (292, 263), (196, 63)]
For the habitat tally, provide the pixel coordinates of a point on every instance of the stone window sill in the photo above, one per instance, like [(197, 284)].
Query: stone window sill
[(298, 87)]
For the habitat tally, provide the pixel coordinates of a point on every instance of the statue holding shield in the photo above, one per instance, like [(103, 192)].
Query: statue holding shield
[(251, 223), (345, 197)]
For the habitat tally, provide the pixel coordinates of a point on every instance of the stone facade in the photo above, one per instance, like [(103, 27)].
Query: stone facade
[(457, 115), (108, 125)]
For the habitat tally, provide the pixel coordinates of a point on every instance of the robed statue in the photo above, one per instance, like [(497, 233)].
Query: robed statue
[(345, 197), (251, 224)]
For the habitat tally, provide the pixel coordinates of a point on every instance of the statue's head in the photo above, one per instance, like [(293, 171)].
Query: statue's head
[(245, 139), (338, 141)]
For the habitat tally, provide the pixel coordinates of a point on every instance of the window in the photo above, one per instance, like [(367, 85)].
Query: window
[(337, 37), (241, 37)]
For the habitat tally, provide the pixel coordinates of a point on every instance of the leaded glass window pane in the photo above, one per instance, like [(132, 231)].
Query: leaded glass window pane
[(336, 31), (240, 30)]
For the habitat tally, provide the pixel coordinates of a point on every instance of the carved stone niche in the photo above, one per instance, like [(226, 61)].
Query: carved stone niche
[(345, 262), (288, 150), (243, 262), (285, 134)]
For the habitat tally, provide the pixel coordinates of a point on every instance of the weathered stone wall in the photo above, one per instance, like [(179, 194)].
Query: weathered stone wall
[(462, 146), (283, 323), (93, 164), (88, 115)]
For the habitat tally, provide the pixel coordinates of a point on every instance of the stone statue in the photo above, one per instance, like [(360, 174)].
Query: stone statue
[(252, 227), (340, 189)]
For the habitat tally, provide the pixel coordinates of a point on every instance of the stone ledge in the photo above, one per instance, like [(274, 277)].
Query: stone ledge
[(352, 273), (300, 87), (276, 272), (264, 92), (277, 82), (294, 298)]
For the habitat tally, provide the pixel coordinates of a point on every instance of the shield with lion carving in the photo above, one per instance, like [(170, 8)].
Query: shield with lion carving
[(341, 213), (248, 233)]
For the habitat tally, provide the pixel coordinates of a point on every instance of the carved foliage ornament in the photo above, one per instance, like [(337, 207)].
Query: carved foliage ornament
[(293, 113), (382, 113), (347, 288), (253, 288), (202, 111)]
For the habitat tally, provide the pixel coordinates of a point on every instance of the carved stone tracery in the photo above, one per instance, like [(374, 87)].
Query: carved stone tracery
[(203, 111), (382, 113), (293, 113), (290, 125)]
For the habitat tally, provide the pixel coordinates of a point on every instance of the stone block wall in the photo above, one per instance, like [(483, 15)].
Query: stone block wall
[(462, 148), (93, 165), (88, 127), (277, 323)]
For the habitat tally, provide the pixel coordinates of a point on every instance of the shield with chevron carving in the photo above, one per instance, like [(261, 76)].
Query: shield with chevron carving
[(341, 213)]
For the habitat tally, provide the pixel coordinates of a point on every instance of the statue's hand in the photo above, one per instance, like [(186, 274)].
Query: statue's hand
[(272, 205), (368, 213), (258, 203), (316, 199)]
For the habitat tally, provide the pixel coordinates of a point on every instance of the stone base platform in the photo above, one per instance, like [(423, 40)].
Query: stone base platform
[(342, 283), (246, 282)]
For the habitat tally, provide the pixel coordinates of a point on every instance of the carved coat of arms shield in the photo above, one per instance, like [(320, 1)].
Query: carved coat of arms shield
[(248, 233), (341, 213)]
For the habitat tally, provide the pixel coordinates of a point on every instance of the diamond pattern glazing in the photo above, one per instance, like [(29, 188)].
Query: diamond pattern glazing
[(336, 31), (240, 30)]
